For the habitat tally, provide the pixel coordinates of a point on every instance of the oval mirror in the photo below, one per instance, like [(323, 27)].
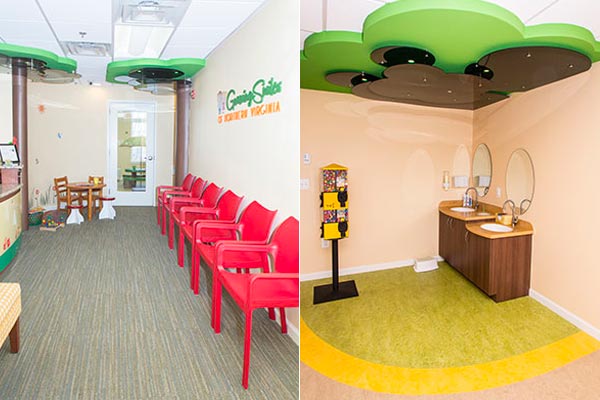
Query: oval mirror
[(520, 180), (482, 169)]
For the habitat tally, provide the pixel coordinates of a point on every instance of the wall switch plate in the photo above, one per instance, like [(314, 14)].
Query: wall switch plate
[(324, 244), (304, 184), (498, 192), (306, 158)]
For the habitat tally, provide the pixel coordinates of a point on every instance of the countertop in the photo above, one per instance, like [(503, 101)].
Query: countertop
[(7, 190), (474, 221)]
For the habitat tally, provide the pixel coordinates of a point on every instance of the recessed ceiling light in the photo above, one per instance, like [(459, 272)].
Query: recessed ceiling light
[(449, 91), (86, 49)]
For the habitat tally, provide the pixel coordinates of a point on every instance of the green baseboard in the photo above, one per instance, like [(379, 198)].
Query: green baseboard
[(9, 254)]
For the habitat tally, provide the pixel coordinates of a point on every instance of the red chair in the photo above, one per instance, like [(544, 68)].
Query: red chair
[(253, 226), (225, 211), (186, 186), (195, 192), (276, 289), (207, 199)]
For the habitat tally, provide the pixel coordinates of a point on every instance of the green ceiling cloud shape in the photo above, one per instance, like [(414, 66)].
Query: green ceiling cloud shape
[(457, 33), (51, 60), (118, 71)]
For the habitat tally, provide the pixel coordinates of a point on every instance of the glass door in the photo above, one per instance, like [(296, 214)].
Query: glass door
[(131, 153)]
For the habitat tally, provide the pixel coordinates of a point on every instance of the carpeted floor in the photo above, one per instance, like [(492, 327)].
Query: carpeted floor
[(108, 314)]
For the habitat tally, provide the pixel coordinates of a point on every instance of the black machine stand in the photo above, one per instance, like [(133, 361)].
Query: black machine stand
[(336, 290)]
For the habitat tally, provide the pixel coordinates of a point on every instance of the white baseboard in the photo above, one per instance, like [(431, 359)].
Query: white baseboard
[(292, 330), (566, 314), (362, 268)]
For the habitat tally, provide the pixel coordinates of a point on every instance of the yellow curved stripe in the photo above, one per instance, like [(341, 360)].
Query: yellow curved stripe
[(353, 371)]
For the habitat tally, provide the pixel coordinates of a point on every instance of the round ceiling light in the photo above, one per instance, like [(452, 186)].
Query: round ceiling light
[(394, 55)]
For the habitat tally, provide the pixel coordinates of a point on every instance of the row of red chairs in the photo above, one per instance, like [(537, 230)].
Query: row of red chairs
[(236, 251)]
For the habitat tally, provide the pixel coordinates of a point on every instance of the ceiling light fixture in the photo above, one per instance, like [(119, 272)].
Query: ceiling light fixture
[(142, 28), (86, 49)]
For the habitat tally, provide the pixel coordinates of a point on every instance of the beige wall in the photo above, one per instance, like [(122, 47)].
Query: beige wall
[(5, 108), (396, 155), (559, 126), (257, 157), (80, 114)]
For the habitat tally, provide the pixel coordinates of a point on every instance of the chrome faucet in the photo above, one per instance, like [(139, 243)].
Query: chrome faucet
[(514, 216), (476, 204)]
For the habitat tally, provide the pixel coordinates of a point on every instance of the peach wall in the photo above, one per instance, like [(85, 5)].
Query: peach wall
[(5, 108), (396, 155), (559, 125)]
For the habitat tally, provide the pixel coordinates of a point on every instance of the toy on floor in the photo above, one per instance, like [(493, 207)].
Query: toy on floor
[(52, 221)]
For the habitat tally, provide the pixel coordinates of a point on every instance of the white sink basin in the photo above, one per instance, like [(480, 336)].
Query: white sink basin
[(462, 209), (496, 228)]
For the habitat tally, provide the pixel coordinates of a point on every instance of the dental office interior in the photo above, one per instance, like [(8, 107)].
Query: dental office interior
[(143, 95), (466, 259)]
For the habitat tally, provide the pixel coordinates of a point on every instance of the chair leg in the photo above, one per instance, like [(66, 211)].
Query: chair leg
[(247, 343), (195, 271), (272, 314), (14, 337), (163, 226), (171, 231), (181, 248), (216, 303), (282, 320), (158, 210)]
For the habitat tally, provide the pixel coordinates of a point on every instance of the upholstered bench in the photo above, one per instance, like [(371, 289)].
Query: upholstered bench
[(10, 310)]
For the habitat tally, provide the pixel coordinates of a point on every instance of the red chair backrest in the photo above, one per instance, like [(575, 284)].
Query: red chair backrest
[(256, 222), (228, 206), (210, 195), (187, 182), (286, 242), (197, 188)]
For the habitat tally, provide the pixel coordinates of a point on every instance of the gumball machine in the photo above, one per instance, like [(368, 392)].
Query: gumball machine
[(334, 227)]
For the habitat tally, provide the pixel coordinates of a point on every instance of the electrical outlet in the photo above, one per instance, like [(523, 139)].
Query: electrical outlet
[(304, 184), (324, 244), (306, 158), (498, 192)]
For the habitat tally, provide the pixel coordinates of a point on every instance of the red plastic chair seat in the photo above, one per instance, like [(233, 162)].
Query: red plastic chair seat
[(239, 260), (264, 294)]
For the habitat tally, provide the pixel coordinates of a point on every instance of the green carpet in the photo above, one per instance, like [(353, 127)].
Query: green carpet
[(429, 320), (108, 314)]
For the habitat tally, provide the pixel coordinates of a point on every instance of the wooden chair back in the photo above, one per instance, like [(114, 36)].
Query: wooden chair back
[(60, 186)]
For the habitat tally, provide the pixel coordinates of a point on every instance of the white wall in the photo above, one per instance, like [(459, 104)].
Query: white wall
[(5, 108), (257, 157), (79, 113)]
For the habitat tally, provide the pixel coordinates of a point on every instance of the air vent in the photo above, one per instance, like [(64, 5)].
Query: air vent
[(87, 49)]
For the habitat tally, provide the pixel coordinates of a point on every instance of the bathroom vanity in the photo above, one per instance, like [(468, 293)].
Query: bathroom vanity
[(499, 263)]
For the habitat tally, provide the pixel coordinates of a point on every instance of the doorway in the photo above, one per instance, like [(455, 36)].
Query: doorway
[(131, 143)]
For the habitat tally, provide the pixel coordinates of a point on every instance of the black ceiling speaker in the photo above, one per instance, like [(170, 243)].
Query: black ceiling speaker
[(155, 75), (479, 70), (393, 55)]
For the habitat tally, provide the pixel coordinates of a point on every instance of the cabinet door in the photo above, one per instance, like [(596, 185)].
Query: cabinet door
[(477, 265), (444, 238), (459, 246)]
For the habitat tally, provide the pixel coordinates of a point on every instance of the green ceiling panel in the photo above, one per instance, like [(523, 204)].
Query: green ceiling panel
[(189, 67), (456, 32), (52, 60)]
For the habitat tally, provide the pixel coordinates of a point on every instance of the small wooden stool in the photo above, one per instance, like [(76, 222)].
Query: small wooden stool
[(75, 216), (107, 212)]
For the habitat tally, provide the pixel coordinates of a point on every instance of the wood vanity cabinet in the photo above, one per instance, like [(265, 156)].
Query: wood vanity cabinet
[(500, 267)]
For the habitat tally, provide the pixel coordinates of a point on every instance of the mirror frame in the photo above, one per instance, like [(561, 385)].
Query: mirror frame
[(522, 210), (489, 153)]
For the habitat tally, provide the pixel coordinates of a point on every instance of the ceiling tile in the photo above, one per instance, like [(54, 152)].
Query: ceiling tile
[(524, 9), (579, 12), (311, 15), (349, 15), (198, 36), (20, 32), (208, 14), (80, 11), (27, 10), (303, 36), (186, 51), (94, 32)]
